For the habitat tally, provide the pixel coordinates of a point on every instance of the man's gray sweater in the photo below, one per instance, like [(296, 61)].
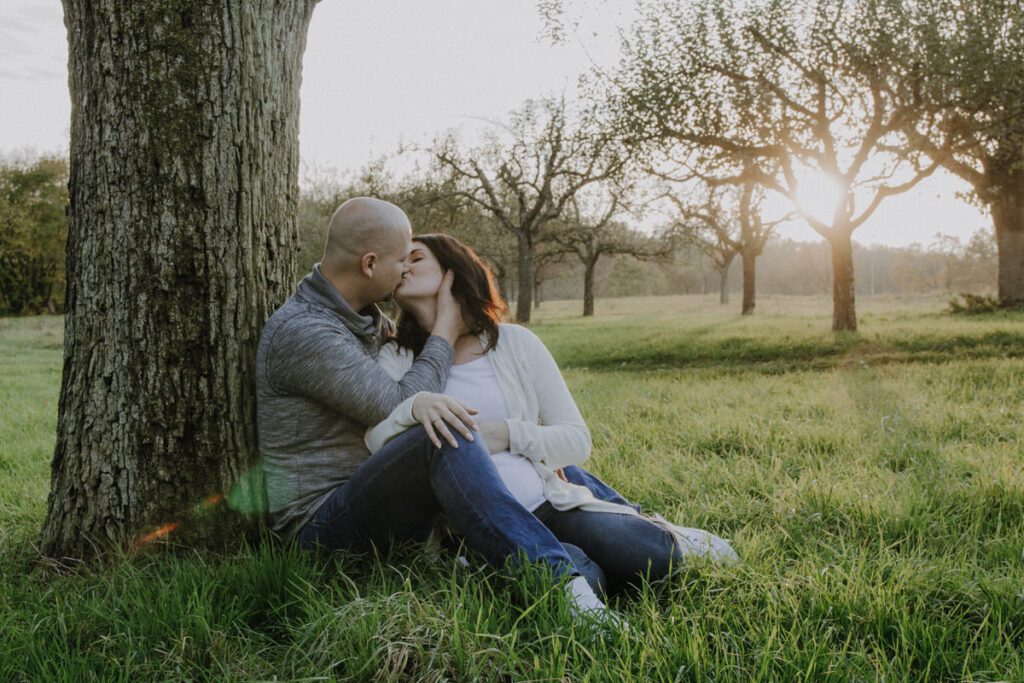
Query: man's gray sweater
[(317, 390)]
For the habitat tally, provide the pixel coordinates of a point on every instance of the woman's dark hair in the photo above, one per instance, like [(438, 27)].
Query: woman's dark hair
[(473, 287)]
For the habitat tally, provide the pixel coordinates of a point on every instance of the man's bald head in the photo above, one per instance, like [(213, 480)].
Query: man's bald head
[(360, 226)]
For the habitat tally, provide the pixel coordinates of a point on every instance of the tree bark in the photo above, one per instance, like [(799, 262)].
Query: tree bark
[(588, 287), (748, 258), (723, 281), (524, 299), (723, 286), (844, 309), (504, 285), (181, 241), (1008, 218)]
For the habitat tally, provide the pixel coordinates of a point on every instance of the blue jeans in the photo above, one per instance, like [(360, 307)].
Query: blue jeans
[(399, 492), (601, 490), (613, 550)]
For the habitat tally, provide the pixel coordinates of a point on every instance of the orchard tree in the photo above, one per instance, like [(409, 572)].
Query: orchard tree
[(707, 221), (528, 170), (593, 227), (820, 89), (181, 240), (726, 221), (974, 54)]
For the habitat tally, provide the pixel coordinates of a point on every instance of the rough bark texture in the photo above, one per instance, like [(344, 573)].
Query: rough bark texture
[(184, 161), (1008, 217), (844, 309), (524, 299), (749, 259)]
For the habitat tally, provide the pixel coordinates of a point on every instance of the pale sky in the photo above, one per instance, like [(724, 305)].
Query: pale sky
[(377, 72)]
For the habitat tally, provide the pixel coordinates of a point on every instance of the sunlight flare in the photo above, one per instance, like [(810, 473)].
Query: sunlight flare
[(819, 195)]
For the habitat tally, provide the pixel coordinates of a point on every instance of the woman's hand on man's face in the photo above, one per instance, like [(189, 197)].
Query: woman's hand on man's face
[(448, 321), (438, 412)]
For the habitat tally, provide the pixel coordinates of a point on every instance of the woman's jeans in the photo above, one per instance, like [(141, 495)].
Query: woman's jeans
[(617, 550)]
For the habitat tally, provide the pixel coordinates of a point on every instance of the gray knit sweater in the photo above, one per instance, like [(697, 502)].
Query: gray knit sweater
[(318, 389)]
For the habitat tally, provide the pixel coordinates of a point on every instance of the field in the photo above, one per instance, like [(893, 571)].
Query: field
[(873, 484)]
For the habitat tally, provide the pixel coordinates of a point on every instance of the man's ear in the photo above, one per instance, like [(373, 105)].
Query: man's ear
[(367, 263)]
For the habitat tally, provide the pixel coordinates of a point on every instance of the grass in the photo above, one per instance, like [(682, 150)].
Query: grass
[(873, 484)]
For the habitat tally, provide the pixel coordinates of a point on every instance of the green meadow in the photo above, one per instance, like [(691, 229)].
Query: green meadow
[(873, 484)]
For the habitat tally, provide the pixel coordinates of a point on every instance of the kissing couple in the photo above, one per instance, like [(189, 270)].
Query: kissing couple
[(371, 433)]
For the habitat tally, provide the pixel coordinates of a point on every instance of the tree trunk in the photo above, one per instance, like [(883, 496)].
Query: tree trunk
[(749, 260), (181, 240), (723, 281), (588, 287), (504, 285), (1008, 217), (524, 298), (844, 309)]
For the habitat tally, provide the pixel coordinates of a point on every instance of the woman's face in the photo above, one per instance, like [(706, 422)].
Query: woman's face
[(424, 276)]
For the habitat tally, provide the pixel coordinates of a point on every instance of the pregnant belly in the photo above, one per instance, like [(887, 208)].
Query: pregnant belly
[(520, 478)]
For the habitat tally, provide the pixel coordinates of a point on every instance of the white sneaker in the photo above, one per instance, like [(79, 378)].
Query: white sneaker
[(699, 543), (590, 610)]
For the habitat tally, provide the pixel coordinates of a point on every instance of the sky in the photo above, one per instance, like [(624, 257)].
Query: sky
[(378, 73)]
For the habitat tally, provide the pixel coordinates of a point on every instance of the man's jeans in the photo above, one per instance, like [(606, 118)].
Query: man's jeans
[(399, 492)]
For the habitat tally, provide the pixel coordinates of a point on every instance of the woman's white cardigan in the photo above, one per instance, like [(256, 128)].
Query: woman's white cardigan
[(544, 424)]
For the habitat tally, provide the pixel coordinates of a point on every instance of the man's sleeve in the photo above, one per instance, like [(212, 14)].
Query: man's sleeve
[(330, 366)]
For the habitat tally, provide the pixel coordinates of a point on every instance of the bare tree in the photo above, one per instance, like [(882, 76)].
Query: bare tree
[(711, 224), (591, 231), (727, 223), (755, 232), (528, 179), (818, 88)]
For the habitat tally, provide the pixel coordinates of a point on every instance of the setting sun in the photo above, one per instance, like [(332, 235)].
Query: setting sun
[(819, 195)]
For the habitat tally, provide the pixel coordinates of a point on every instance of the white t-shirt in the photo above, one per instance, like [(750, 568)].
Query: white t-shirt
[(476, 385)]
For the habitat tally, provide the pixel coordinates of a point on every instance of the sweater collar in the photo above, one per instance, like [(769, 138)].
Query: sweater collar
[(317, 290)]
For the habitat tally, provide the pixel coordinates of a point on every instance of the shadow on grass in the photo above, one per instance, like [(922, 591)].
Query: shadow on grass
[(788, 353)]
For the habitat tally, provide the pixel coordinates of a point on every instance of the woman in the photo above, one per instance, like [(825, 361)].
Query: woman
[(530, 424)]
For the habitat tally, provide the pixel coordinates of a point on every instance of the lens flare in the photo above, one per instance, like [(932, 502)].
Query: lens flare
[(159, 532), (165, 529)]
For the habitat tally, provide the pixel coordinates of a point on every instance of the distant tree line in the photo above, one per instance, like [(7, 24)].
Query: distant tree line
[(646, 265), (33, 234), (574, 258)]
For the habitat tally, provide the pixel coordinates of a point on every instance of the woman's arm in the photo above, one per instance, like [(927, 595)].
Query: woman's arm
[(562, 437)]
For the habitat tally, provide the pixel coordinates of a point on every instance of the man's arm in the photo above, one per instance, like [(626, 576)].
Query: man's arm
[(330, 366)]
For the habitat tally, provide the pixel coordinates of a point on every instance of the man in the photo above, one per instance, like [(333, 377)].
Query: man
[(318, 389)]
